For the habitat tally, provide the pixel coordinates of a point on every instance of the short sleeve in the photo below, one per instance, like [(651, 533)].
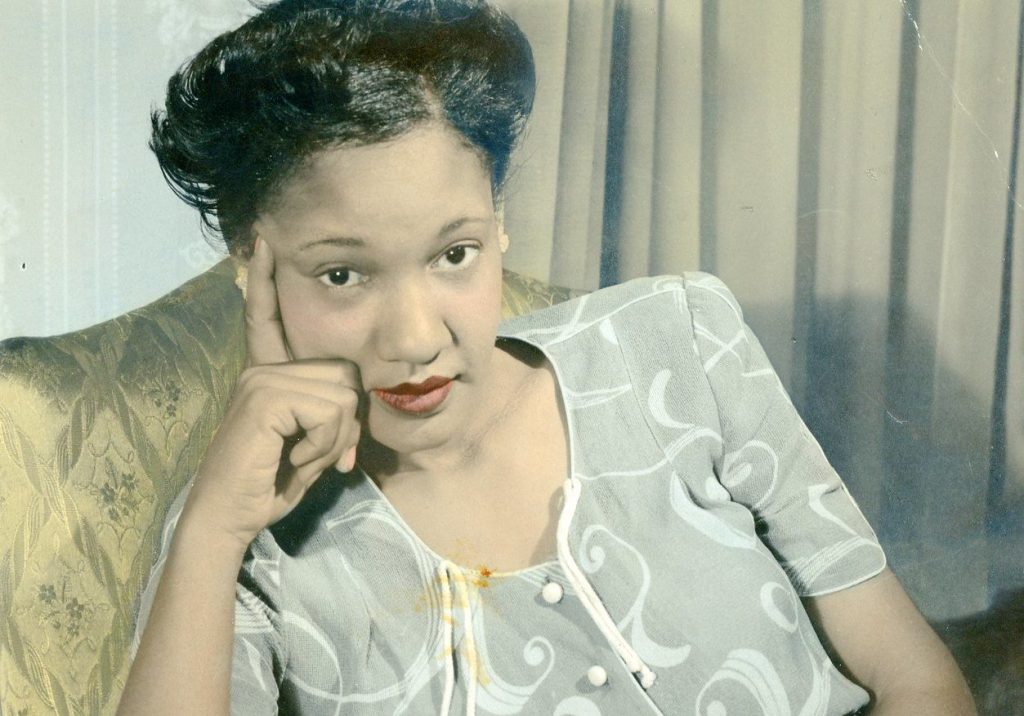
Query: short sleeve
[(770, 462), (258, 655)]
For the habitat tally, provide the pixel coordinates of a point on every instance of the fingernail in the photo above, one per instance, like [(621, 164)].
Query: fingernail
[(256, 245), (350, 461)]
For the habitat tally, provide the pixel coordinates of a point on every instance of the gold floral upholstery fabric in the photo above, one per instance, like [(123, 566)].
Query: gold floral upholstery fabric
[(99, 430)]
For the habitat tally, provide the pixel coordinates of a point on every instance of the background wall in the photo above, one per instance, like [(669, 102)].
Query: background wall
[(88, 229), (850, 170)]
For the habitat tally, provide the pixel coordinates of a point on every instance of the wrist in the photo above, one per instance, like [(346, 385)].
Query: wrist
[(195, 533)]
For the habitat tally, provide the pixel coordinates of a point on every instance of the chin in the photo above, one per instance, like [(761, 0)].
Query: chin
[(410, 434)]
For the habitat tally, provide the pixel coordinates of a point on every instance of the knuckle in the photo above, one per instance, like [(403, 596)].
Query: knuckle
[(252, 377), (349, 400), (343, 418), (244, 382), (350, 374)]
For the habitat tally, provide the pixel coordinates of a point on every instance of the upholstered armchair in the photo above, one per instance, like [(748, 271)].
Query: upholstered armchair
[(99, 430)]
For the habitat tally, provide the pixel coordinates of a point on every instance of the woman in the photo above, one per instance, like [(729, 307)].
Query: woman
[(606, 507)]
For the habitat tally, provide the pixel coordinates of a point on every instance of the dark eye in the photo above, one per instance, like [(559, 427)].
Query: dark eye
[(338, 277), (457, 256), (341, 277)]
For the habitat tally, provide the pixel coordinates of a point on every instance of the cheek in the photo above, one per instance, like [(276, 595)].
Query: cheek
[(315, 329), (487, 306), (485, 315), (479, 317)]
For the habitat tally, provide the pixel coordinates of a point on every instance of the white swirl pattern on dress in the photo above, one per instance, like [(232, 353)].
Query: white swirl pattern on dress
[(738, 471), (705, 522), (758, 677), (608, 332), (498, 695), (330, 693), (430, 657), (814, 493), (592, 559), (576, 706), (769, 591), (578, 400), (253, 656)]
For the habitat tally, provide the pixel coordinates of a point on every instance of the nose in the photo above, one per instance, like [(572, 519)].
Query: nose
[(412, 328)]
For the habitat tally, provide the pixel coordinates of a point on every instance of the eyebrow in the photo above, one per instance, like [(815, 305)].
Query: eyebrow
[(458, 223), (356, 242), (341, 241)]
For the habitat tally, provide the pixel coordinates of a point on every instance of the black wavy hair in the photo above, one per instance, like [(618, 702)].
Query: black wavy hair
[(304, 75)]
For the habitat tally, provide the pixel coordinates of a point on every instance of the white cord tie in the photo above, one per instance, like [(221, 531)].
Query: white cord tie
[(445, 572), (571, 489)]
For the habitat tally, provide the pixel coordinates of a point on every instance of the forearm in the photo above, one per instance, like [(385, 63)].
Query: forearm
[(952, 701), (941, 689), (184, 660), (880, 640)]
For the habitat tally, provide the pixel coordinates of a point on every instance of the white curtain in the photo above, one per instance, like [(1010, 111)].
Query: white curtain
[(848, 168)]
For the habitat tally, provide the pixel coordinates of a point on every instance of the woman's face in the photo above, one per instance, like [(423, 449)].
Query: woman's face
[(387, 255)]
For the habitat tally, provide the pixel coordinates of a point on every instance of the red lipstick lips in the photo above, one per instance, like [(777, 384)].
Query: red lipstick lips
[(416, 398)]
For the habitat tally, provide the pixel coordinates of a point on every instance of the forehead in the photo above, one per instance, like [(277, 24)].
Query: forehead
[(429, 171)]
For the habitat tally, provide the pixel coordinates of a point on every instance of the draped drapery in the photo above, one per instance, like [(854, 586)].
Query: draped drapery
[(850, 169)]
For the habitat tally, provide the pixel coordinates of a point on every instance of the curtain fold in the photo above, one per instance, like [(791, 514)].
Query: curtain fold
[(847, 168), (581, 159)]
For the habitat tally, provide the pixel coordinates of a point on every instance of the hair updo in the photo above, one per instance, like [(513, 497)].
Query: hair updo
[(306, 75)]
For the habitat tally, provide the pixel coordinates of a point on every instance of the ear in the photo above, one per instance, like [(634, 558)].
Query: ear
[(240, 256), (241, 274), (499, 215)]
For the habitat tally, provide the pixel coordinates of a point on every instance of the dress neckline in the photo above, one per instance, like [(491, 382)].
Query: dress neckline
[(438, 558)]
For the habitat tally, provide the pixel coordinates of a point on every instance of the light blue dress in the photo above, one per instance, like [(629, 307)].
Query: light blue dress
[(699, 509)]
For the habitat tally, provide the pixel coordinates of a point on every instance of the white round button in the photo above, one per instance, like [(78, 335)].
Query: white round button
[(647, 679), (552, 592), (597, 676)]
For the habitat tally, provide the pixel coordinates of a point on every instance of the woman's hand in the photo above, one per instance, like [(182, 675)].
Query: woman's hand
[(287, 422)]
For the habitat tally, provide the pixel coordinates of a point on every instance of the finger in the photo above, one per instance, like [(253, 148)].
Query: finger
[(336, 371), (264, 332), (328, 444), (310, 406), (316, 443), (347, 462), (320, 383), (294, 482), (284, 414), (295, 486), (298, 480)]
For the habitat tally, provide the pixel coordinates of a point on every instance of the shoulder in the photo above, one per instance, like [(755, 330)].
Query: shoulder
[(654, 298)]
